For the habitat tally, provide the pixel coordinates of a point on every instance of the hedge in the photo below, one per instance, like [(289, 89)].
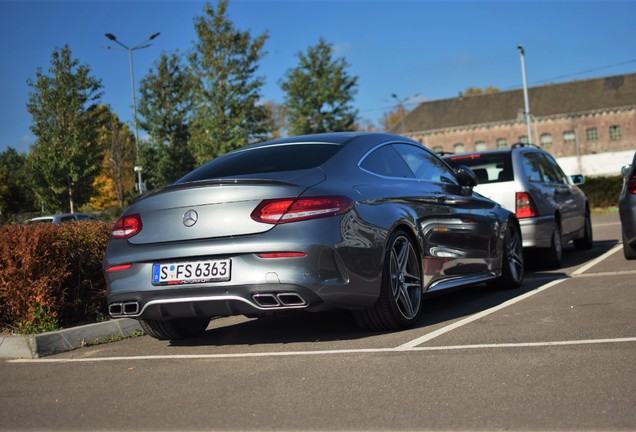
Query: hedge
[(52, 276), (602, 192)]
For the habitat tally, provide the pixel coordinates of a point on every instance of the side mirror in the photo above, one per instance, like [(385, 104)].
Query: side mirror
[(466, 176), (625, 169), (577, 179)]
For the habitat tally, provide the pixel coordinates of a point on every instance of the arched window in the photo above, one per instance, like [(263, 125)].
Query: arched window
[(480, 146), (458, 148)]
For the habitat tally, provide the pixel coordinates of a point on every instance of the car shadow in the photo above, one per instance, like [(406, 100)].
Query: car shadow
[(338, 325)]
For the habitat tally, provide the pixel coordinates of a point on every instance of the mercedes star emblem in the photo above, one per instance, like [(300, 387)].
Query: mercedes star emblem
[(190, 218)]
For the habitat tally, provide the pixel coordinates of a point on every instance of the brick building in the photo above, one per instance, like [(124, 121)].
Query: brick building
[(574, 118)]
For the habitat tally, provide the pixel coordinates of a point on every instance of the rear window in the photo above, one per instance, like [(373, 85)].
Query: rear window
[(489, 168), (286, 157)]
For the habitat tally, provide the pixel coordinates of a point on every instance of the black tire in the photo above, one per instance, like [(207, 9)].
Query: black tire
[(177, 328), (628, 250), (400, 303), (553, 256), (587, 241), (512, 262)]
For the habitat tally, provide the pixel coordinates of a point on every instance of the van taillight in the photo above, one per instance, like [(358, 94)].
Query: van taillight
[(525, 207), (631, 185)]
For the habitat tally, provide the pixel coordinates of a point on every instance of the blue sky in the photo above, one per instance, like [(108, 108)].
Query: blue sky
[(433, 49)]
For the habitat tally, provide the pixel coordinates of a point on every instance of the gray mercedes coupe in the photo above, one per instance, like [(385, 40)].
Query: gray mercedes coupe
[(368, 222)]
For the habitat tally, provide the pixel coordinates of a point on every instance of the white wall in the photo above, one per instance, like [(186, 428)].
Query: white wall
[(600, 164)]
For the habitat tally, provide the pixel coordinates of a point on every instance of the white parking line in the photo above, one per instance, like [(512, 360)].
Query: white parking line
[(592, 263), (407, 347), (448, 328), (327, 352)]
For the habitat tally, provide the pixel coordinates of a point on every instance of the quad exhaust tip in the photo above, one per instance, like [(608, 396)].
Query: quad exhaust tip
[(123, 309), (276, 300)]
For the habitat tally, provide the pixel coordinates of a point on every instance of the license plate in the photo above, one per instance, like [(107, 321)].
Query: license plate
[(191, 272)]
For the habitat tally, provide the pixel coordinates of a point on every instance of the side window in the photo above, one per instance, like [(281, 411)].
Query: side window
[(385, 161), (532, 167), (425, 165), (67, 219), (552, 171)]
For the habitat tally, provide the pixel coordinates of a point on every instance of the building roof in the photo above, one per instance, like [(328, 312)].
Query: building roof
[(551, 99)]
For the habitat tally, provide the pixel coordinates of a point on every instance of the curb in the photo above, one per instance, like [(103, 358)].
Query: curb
[(46, 344)]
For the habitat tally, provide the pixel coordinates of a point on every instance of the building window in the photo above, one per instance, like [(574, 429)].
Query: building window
[(438, 149), (502, 143), (569, 137), (523, 139), (480, 146), (546, 140), (591, 134), (458, 148), (615, 132)]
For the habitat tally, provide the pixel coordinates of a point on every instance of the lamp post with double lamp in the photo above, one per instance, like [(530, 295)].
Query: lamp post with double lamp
[(144, 44)]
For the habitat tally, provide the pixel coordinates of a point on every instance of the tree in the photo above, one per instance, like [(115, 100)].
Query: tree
[(166, 106), (393, 120), (66, 156), (319, 93), (115, 183), (227, 113), (16, 194)]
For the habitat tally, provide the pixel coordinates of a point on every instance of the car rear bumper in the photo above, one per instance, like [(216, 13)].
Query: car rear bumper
[(537, 232)]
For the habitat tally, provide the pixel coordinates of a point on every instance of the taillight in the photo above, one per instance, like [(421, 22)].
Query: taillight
[(284, 210), (525, 207), (127, 226), (631, 185)]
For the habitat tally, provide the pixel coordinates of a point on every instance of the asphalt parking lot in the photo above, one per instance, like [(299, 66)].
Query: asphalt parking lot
[(556, 354)]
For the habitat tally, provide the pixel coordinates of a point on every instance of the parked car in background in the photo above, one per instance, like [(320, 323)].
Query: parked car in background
[(365, 222), (59, 219), (526, 179), (627, 210)]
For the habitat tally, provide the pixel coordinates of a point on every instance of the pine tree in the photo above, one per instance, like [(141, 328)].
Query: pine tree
[(319, 93), (227, 113)]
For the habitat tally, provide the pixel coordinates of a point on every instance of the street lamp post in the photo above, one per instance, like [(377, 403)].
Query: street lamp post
[(144, 44), (525, 93)]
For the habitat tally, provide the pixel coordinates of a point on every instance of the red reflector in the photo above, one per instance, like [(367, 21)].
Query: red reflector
[(119, 267), (282, 254), (127, 226), (525, 207), (631, 185), (284, 210), (470, 156)]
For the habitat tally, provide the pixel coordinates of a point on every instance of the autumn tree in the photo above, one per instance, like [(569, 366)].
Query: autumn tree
[(227, 113), (319, 92), (166, 107), (66, 156), (116, 181)]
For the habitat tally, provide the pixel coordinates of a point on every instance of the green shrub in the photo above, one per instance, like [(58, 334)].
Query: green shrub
[(602, 191), (51, 276)]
